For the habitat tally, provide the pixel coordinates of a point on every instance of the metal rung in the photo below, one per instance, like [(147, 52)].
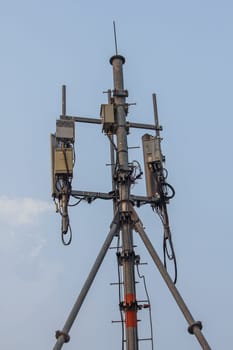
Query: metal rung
[(117, 283), (115, 247), (120, 247), (145, 339), (141, 339)]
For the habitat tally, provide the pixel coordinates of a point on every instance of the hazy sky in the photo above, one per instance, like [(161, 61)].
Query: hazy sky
[(182, 50)]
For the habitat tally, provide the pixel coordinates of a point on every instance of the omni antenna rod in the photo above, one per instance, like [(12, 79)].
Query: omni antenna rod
[(157, 127), (115, 37), (63, 108)]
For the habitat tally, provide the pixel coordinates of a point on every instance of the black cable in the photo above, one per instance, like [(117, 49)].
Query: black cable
[(135, 168), (119, 294), (76, 196), (171, 256), (167, 237), (107, 199), (148, 298), (67, 223), (70, 237), (77, 203), (165, 191), (112, 142)]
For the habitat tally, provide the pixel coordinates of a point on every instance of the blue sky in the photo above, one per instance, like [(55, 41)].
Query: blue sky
[(182, 50)]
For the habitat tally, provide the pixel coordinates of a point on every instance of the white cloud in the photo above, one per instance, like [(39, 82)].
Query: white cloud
[(21, 211)]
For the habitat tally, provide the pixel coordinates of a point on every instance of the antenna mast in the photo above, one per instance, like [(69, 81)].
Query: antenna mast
[(127, 257), (125, 220)]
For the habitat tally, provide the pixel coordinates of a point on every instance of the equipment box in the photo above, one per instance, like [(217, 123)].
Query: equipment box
[(63, 162)]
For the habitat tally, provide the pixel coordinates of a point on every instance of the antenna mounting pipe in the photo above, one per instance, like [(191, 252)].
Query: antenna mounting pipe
[(63, 100)]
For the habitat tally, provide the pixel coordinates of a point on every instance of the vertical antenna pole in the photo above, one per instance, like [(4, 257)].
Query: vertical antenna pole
[(112, 155), (65, 217), (156, 115), (127, 256), (115, 37), (63, 107)]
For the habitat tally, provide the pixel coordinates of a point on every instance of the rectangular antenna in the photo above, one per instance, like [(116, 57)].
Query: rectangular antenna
[(52, 152)]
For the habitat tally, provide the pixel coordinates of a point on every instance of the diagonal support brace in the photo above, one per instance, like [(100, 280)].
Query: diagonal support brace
[(63, 336), (194, 326)]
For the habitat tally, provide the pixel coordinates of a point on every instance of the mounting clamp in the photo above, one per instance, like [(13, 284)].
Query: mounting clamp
[(64, 335), (197, 324)]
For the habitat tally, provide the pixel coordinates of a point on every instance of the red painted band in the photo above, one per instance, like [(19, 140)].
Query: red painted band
[(130, 315), (130, 318), (129, 298)]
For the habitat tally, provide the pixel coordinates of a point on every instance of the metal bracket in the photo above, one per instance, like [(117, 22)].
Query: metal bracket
[(197, 324), (120, 93), (128, 306), (126, 256), (66, 336)]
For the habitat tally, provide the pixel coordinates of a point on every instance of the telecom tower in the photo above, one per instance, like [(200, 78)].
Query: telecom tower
[(125, 219)]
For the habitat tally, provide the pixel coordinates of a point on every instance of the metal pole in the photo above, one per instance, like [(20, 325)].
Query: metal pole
[(129, 304), (156, 118), (65, 197), (98, 121), (112, 157), (63, 336), (194, 326), (63, 108)]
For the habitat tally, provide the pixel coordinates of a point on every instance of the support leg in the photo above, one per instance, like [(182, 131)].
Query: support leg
[(194, 327), (62, 336)]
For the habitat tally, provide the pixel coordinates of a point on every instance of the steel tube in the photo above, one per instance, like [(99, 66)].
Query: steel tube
[(63, 108), (74, 312), (98, 121), (127, 253), (156, 118), (178, 298), (89, 194), (141, 126), (103, 195), (81, 119), (112, 153)]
